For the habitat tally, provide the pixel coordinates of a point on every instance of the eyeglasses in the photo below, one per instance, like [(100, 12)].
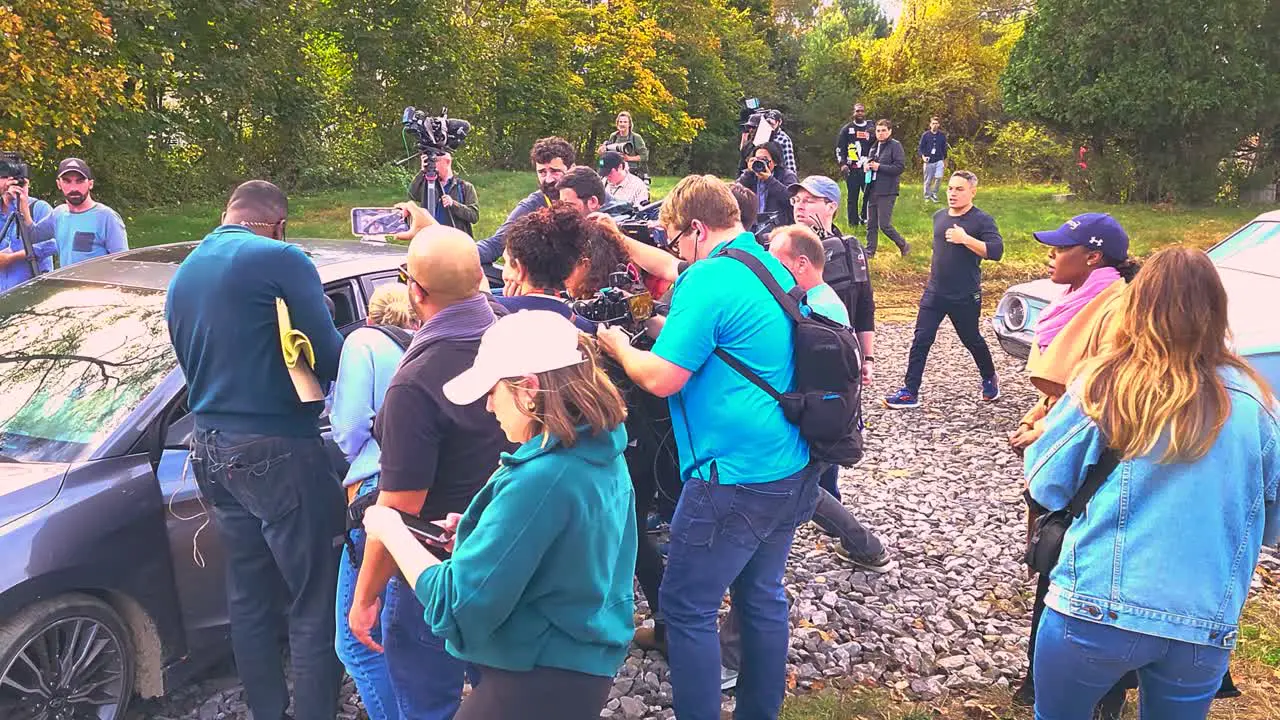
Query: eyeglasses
[(673, 245), (402, 274)]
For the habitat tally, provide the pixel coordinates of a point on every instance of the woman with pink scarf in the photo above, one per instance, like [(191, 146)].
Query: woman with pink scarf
[(1090, 255)]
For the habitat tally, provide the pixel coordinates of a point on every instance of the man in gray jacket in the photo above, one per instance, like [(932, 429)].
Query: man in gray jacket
[(551, 157), (886, 161)]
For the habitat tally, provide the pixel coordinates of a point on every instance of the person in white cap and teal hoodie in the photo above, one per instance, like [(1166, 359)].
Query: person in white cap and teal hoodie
[(538, 591)]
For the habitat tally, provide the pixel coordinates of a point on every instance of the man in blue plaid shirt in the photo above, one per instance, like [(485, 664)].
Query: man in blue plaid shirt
[(774, 119)]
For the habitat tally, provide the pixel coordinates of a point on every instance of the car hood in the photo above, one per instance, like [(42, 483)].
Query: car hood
[(1252, 319), (27, 487), (1044, 289)]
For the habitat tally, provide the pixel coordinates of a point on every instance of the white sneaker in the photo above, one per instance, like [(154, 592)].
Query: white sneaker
[(728, 678)]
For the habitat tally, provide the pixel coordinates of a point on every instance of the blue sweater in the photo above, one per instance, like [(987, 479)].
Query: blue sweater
[(221, 310), (369, 360), (542, 574)]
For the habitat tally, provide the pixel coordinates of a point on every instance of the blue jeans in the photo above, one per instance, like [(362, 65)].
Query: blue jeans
[(1078, 661), (427, 679), (829, 480), (278, 509), (736, 538), (367, 668)]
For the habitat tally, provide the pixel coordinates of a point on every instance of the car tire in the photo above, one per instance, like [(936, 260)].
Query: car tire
[(88, 636)]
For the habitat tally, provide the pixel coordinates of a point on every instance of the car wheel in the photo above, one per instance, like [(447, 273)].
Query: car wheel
[(66, 658)]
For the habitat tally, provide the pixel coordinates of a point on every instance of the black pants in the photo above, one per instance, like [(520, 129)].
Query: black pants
[(537, 694), (655, 473), (856, 182), (278, 509), (964, 316), (880, 217)]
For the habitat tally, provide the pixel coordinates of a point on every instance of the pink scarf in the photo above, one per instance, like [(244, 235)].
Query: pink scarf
[(1059, 312)]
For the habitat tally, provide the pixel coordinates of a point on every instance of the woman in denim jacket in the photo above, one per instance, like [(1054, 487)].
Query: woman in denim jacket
[(1154, 575)]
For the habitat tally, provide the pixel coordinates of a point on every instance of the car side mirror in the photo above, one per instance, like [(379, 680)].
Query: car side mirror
[(178, 435)]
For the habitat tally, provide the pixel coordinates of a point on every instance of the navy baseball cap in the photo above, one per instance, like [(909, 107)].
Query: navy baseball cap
[(1095, 231), (610, 161), (822, 186)]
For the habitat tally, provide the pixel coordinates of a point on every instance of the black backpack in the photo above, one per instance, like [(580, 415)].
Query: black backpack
[(845, 266), (398, 335), (827, 402)]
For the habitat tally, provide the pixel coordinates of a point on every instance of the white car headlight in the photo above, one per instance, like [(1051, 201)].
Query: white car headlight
[(1015, 313)]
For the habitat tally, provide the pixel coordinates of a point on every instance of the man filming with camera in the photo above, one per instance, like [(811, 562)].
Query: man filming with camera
[(455, 201), (15, 263), (745, 467), (629, 144), (551, 157)]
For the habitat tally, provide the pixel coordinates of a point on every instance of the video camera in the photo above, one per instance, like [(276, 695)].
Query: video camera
[(626, 303), (638, 223), (435, 135), (751, 113), (12, 166)]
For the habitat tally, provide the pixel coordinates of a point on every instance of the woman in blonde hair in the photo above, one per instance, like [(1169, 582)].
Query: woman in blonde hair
[(370, 357), (1155, 572), (538, 591)]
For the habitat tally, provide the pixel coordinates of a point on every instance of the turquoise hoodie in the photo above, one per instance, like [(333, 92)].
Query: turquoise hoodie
[(542, 573)]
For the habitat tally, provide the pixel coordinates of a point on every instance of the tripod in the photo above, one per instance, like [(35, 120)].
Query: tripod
[(14, 222)]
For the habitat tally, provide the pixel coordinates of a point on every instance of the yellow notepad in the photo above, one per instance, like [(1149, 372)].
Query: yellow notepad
[(299, 356)]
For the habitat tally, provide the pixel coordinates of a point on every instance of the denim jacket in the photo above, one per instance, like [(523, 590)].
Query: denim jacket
[(1165, 550)]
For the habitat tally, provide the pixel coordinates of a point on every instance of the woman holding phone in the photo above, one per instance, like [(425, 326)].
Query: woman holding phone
[(538, 590)]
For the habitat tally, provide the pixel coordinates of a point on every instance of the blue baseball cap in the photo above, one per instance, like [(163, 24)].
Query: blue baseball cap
[(820, 185), (1095, 231)]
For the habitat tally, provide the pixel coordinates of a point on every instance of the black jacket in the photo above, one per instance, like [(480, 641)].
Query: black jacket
[(892, 159), (779, 199)]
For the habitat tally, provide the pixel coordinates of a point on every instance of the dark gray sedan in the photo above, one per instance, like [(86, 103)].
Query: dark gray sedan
[(112, 579)]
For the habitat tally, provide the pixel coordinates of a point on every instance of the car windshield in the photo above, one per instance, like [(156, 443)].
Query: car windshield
[(1254, 248), (75, 360)]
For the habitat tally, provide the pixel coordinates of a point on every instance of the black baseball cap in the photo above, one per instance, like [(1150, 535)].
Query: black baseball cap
[(74, 165), (611, 161)]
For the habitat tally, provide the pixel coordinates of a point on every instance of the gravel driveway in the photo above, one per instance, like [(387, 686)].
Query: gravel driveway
[(941, 488)]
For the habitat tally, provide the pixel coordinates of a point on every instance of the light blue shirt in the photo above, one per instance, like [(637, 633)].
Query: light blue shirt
[(1163, 549), (823, 300), (20, 271), (369, 360), (720, 418), (80, 236)]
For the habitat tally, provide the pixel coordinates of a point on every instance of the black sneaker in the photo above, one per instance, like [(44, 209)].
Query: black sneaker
[(1025, 695), (877, 564)]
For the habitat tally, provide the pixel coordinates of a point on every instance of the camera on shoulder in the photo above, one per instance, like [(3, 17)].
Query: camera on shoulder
[(12, 166)]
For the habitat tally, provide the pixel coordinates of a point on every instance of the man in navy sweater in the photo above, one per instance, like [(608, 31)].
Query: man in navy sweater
[(256, 453), (933, 151)]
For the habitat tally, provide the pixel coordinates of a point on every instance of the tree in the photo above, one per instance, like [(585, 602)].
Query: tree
[(59, 72), (1175, 92)]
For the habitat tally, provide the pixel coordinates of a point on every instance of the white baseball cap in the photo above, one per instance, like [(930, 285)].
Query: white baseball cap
[(522, 343)]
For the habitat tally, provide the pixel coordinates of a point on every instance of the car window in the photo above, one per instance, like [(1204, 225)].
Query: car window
[(75, 360), (1253, 248)]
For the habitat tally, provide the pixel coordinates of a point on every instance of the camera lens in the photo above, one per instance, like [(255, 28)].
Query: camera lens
[(759, 166)]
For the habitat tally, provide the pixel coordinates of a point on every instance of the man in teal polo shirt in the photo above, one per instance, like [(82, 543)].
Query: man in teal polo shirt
[(747, 479)]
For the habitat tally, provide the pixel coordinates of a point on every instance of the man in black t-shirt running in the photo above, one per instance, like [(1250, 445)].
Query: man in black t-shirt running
[(963, 236)]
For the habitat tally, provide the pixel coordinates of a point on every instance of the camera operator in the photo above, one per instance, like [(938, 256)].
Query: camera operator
[(551, 157), (626, 134), (620, 183), (458, 205), (81, 229), (583, 189), (745, 466), (14, 264), (766, 177), (543, 249)]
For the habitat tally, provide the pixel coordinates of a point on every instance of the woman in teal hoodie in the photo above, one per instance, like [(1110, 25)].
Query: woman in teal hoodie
[(538, 591)]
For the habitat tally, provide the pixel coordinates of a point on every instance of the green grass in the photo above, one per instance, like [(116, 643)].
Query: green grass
[(1018, 209)]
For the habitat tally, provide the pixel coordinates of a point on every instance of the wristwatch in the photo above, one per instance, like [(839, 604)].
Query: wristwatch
[(868, 358)]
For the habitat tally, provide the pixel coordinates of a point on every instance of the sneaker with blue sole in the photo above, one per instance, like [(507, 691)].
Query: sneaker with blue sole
[(903, 399), (991, 389)]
